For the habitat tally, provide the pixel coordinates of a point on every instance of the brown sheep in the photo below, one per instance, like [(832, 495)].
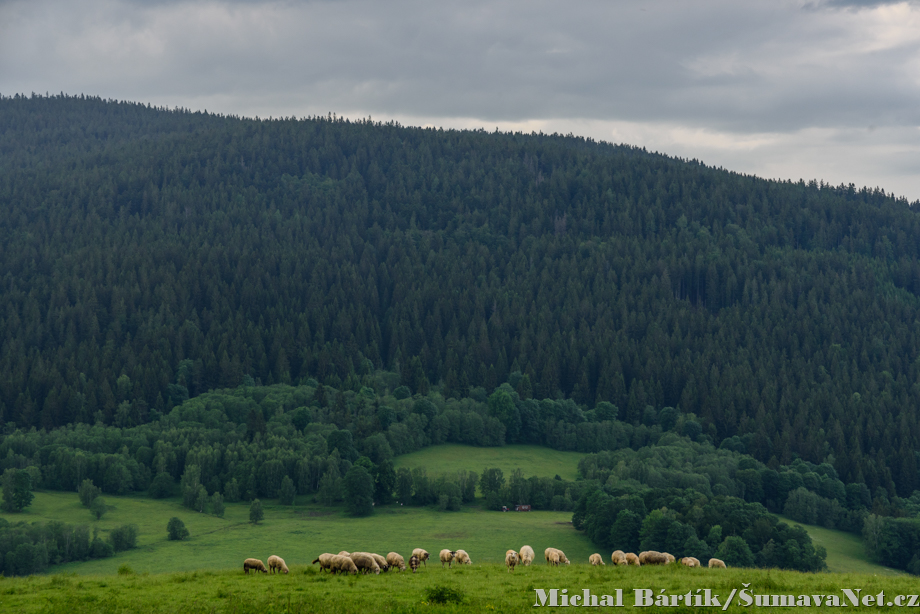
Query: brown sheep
[(511, 559), (422, 555), (595, 559), (526, 555), (447, 556), (632, 559), (462, 558), (276, 562), (413, 563), (653, 557), (255, 564), (343, 564), (394, 559), (618, 557), (324, 560), (365, 562), (716, 564)]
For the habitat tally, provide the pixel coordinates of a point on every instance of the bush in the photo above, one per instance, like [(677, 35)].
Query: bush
[(442, 593), (176, 529), (98, 508), (88, 492), (125, 570), (256, 513), (124, 537)]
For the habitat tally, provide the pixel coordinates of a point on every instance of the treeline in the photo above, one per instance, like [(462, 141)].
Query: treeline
[(690, 499), (148, 255), (30, 548), (894, 542)]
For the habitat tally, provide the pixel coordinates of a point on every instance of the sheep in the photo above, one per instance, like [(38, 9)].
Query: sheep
[(324, 560), (394, 559), (670, 556), (343, 564), (595, 559), (344, 553), (462, 558), (276, 562), (652, 557), (526, 555), (716, 564), (618, 557), (554, 556), (365, 562), (422, 555), (413, 562), (381, 561), (632, 559), (447, 556), (255, 564), (690, 561), (511, 559)]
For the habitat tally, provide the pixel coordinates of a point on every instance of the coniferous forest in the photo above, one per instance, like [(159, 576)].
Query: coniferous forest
[(149, 255)]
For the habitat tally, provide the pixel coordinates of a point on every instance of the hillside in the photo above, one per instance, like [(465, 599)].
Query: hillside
[(149, 255)]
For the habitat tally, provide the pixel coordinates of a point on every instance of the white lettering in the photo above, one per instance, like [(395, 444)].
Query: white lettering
[(644, 597), (853, 597)]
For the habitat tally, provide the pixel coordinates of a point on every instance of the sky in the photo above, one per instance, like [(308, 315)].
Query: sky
[(788, 89)]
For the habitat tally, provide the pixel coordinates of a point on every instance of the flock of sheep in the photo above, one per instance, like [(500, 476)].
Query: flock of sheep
[(369, 562)]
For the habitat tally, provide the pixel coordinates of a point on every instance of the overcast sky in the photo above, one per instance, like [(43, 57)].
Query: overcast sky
[(819, 89)]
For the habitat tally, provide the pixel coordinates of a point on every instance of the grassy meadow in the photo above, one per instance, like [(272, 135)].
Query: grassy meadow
[(533, 460), (479, 588), (300, 533), (845, 551)]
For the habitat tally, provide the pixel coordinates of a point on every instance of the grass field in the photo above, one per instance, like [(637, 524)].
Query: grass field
[(300, 534), (845, 551), (533, 460), (481, 587)]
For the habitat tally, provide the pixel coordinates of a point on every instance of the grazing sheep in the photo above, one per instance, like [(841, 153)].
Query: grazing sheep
[(618, 557), (365, 562), (670, 556), (324, 560), (716, 563), (344, 553), (343, 564), (632, 559), (413, 562), (690, 561), (462, 558), (447, 556), (276, 562), (381, 561), (554, 556), (394, 559), (422, 555), (595, 559), (511, 559), (255, 564), (526, 555), (653, 557)]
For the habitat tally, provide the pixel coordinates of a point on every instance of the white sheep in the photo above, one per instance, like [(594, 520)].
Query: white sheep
[(343, 564), (632, 559), (276, 562), (324, 560), (365, 562), (527, 555), (394, 559), (462, 558), (618, 557), (422, 555), (511, 559), (254, 564), (447, 556), (716, 564), (595, 559)]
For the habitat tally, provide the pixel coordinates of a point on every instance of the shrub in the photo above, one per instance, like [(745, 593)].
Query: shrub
[(441, 593), (88, 492), (98, 508), (256, 513), (124, 537), (176, 529)]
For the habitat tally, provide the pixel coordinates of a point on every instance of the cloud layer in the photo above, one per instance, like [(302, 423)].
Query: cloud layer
[(790, 89)]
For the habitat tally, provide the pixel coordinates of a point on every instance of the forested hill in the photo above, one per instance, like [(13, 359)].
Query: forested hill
[(147, 254)]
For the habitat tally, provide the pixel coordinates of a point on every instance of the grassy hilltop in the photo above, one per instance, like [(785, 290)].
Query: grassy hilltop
[(482, 588)]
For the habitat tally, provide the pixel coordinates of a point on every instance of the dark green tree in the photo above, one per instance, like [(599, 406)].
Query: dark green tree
[(17, 490), (176, 530), (88, 492), (287, 492), (359, 491), (98, 508), (256, 513)]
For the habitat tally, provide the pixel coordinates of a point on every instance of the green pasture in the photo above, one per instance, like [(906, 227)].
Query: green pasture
[(300, 533), (845, 551), (478, 588), (533, 460)]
